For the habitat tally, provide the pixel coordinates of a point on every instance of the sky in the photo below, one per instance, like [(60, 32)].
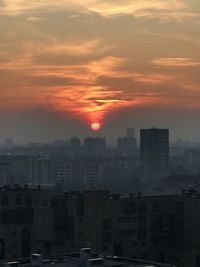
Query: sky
[(122, 63)]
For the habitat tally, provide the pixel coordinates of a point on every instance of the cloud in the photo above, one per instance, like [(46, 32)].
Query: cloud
[(174, 9), (89, 90), (175, 62)]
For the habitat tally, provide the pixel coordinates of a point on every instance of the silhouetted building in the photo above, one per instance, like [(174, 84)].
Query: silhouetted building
[(39, 170), (95, 145), (80, 173), (75, 143), (158, 228), (4, 173), (14, 169), (128, 143), (16, 221), (9, 142), (154, 144), (130, 133), (83, 258)]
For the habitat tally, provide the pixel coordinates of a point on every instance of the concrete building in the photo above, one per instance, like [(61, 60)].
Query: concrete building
[(14, 169), (4, 173), (95, 145), (16, 221), (192, 161), (130, 133), (79, 259), (75, 143), (39, 170), (159, 228), (80, 172), (127, 144), (154, 145)]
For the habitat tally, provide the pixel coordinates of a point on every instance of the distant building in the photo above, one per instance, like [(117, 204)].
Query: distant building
[(80, 173), (75, 143), (95, 145), (39, 170), (14, 169), (4, 173), (154, 145), (130, 133), (127, 144), (9, 142), (61, 142)]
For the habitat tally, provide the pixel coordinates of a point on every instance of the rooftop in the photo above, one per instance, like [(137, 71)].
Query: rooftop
[(83, 259)]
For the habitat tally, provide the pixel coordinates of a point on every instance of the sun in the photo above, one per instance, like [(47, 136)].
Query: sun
[(95, 126)]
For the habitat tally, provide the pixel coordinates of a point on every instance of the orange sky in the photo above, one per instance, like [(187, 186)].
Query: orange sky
[(91, 59)]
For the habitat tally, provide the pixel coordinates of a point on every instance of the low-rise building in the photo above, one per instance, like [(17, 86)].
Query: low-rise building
[(84, 258), (158, 228)]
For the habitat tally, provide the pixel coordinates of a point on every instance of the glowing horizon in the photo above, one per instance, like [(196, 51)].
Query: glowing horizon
[(92, 60)]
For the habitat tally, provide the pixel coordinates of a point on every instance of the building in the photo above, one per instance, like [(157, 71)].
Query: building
[(80, 172), (83, 258), (157, 228), (16, 220), (95, 145), (130, 133), (39, 170), (192, 161), (14, 169), (4, 173), (75, 143), (154, 145), (127, 144)]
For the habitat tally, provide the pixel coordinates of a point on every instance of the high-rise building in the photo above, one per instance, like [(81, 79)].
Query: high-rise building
[(130, 133), (128, 143), (4, 173), (95, 145), (77, 172), (39, 170), (75, 143), (154, 144)]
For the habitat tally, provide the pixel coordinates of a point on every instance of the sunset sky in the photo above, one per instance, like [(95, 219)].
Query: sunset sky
[(124, 63)]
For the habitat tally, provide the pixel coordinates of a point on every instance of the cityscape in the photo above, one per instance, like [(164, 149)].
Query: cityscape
[(136, 200), (99, 133)]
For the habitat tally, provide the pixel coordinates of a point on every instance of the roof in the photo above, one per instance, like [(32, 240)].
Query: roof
[(84, 258)]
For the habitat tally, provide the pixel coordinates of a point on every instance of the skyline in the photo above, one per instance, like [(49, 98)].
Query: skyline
[(64, 66)]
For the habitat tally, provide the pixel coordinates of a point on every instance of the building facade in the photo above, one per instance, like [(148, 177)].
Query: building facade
[(154, 145)]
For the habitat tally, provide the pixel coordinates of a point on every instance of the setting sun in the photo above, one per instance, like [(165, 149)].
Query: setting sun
[(95, 126)]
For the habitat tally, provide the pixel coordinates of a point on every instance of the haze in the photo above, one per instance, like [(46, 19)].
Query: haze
[(124, 63)]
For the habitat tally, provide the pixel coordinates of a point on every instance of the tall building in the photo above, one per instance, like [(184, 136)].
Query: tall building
[(4, 173), (16, 221), (130, 133), (75, 143), (128, 143), (95, 145), (39, 170), (78, 172), (154, 144)]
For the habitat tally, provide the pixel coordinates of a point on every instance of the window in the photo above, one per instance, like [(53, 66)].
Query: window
[(28, 199), (142, 233), (155, 207), (4, 200), (106, 225), (129, 207), (107, 237), (179, 207), (141, 220), (19, 199), (141, 207)]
